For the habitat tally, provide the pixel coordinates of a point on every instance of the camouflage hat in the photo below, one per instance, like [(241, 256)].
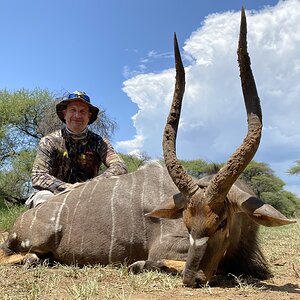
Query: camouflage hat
[(77, 95)]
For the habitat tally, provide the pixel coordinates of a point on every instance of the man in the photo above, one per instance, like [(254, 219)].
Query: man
[(73, 154)]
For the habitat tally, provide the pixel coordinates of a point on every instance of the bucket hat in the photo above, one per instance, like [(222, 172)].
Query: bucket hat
[(79, 96)]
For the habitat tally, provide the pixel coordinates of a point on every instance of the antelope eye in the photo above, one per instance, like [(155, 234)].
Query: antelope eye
[(222, 224)]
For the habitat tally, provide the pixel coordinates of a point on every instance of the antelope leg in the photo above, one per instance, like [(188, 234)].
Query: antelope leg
[(18, 258), (164, 265)]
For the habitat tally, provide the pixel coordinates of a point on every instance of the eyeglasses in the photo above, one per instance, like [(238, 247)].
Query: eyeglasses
[(84, 97)]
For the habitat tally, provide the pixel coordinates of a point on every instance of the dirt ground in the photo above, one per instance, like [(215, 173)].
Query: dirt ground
[(282, 247)]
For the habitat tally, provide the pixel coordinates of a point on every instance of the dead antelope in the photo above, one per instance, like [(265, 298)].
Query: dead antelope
[(137, 217)]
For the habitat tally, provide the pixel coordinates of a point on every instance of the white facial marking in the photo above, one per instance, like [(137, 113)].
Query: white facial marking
[(191, 240), (14, 236), (198, 242), (25, 244)]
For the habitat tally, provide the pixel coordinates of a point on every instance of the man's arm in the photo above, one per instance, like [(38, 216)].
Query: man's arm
[(42, 167), (114, 163)]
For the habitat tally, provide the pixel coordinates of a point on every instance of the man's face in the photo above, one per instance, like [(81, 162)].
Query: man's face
[(77, 116)]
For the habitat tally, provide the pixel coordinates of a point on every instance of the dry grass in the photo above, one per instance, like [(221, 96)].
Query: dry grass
[(66, 282), (281, 246)]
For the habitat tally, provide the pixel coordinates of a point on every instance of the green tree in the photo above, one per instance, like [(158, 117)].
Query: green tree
[(15, 180), (266, 182), (255, 169), (270, 188), (25, 117), (284, 201), (197, 167), (133, 162), (295, 169)]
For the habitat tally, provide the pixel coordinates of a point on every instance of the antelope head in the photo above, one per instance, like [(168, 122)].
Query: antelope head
[(206, 210)]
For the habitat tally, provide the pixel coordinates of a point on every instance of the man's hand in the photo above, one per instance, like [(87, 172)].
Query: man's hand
[(71, 186)]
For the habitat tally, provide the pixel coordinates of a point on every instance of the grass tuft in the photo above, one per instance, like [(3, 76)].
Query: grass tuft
[(8, 215)]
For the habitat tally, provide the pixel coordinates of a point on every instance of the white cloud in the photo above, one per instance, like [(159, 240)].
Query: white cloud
[(133, 146), (213, 121)]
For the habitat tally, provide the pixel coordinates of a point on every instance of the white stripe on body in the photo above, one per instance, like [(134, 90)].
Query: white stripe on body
[(74, 212), (90, 198), (133, 188), (57, 225), (54, 215), (92, 192), (112, 239), (22, 217), (34, 217), (143, 207)]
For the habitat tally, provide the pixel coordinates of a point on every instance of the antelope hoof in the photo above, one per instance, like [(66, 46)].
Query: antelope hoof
[(30, 260)]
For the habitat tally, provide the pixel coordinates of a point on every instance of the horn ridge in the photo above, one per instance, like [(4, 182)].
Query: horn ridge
[(250, 94), (182, 180), (228, 174)]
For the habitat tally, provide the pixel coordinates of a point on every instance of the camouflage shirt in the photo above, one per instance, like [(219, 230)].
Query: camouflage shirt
[(62, 160)]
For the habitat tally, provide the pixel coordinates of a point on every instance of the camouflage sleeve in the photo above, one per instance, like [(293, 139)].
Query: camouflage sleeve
[(114, 163), (42, 167)]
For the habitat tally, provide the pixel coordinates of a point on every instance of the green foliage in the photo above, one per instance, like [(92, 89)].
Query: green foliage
[(25, 117), (196, 167), (8, 214), (133, 162), (295, 169), (270, 188), (266, 182), (256, 169), (21, 113), (284, 201), (15, 185)]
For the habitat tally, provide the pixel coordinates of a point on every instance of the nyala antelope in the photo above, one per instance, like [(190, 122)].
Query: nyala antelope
[(159, 217)]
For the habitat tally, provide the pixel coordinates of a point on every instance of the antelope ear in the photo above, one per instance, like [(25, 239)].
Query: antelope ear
[(256, 209), (264, 214), (170, 209)]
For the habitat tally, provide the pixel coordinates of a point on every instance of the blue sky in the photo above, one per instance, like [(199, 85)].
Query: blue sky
[(120, 53)]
